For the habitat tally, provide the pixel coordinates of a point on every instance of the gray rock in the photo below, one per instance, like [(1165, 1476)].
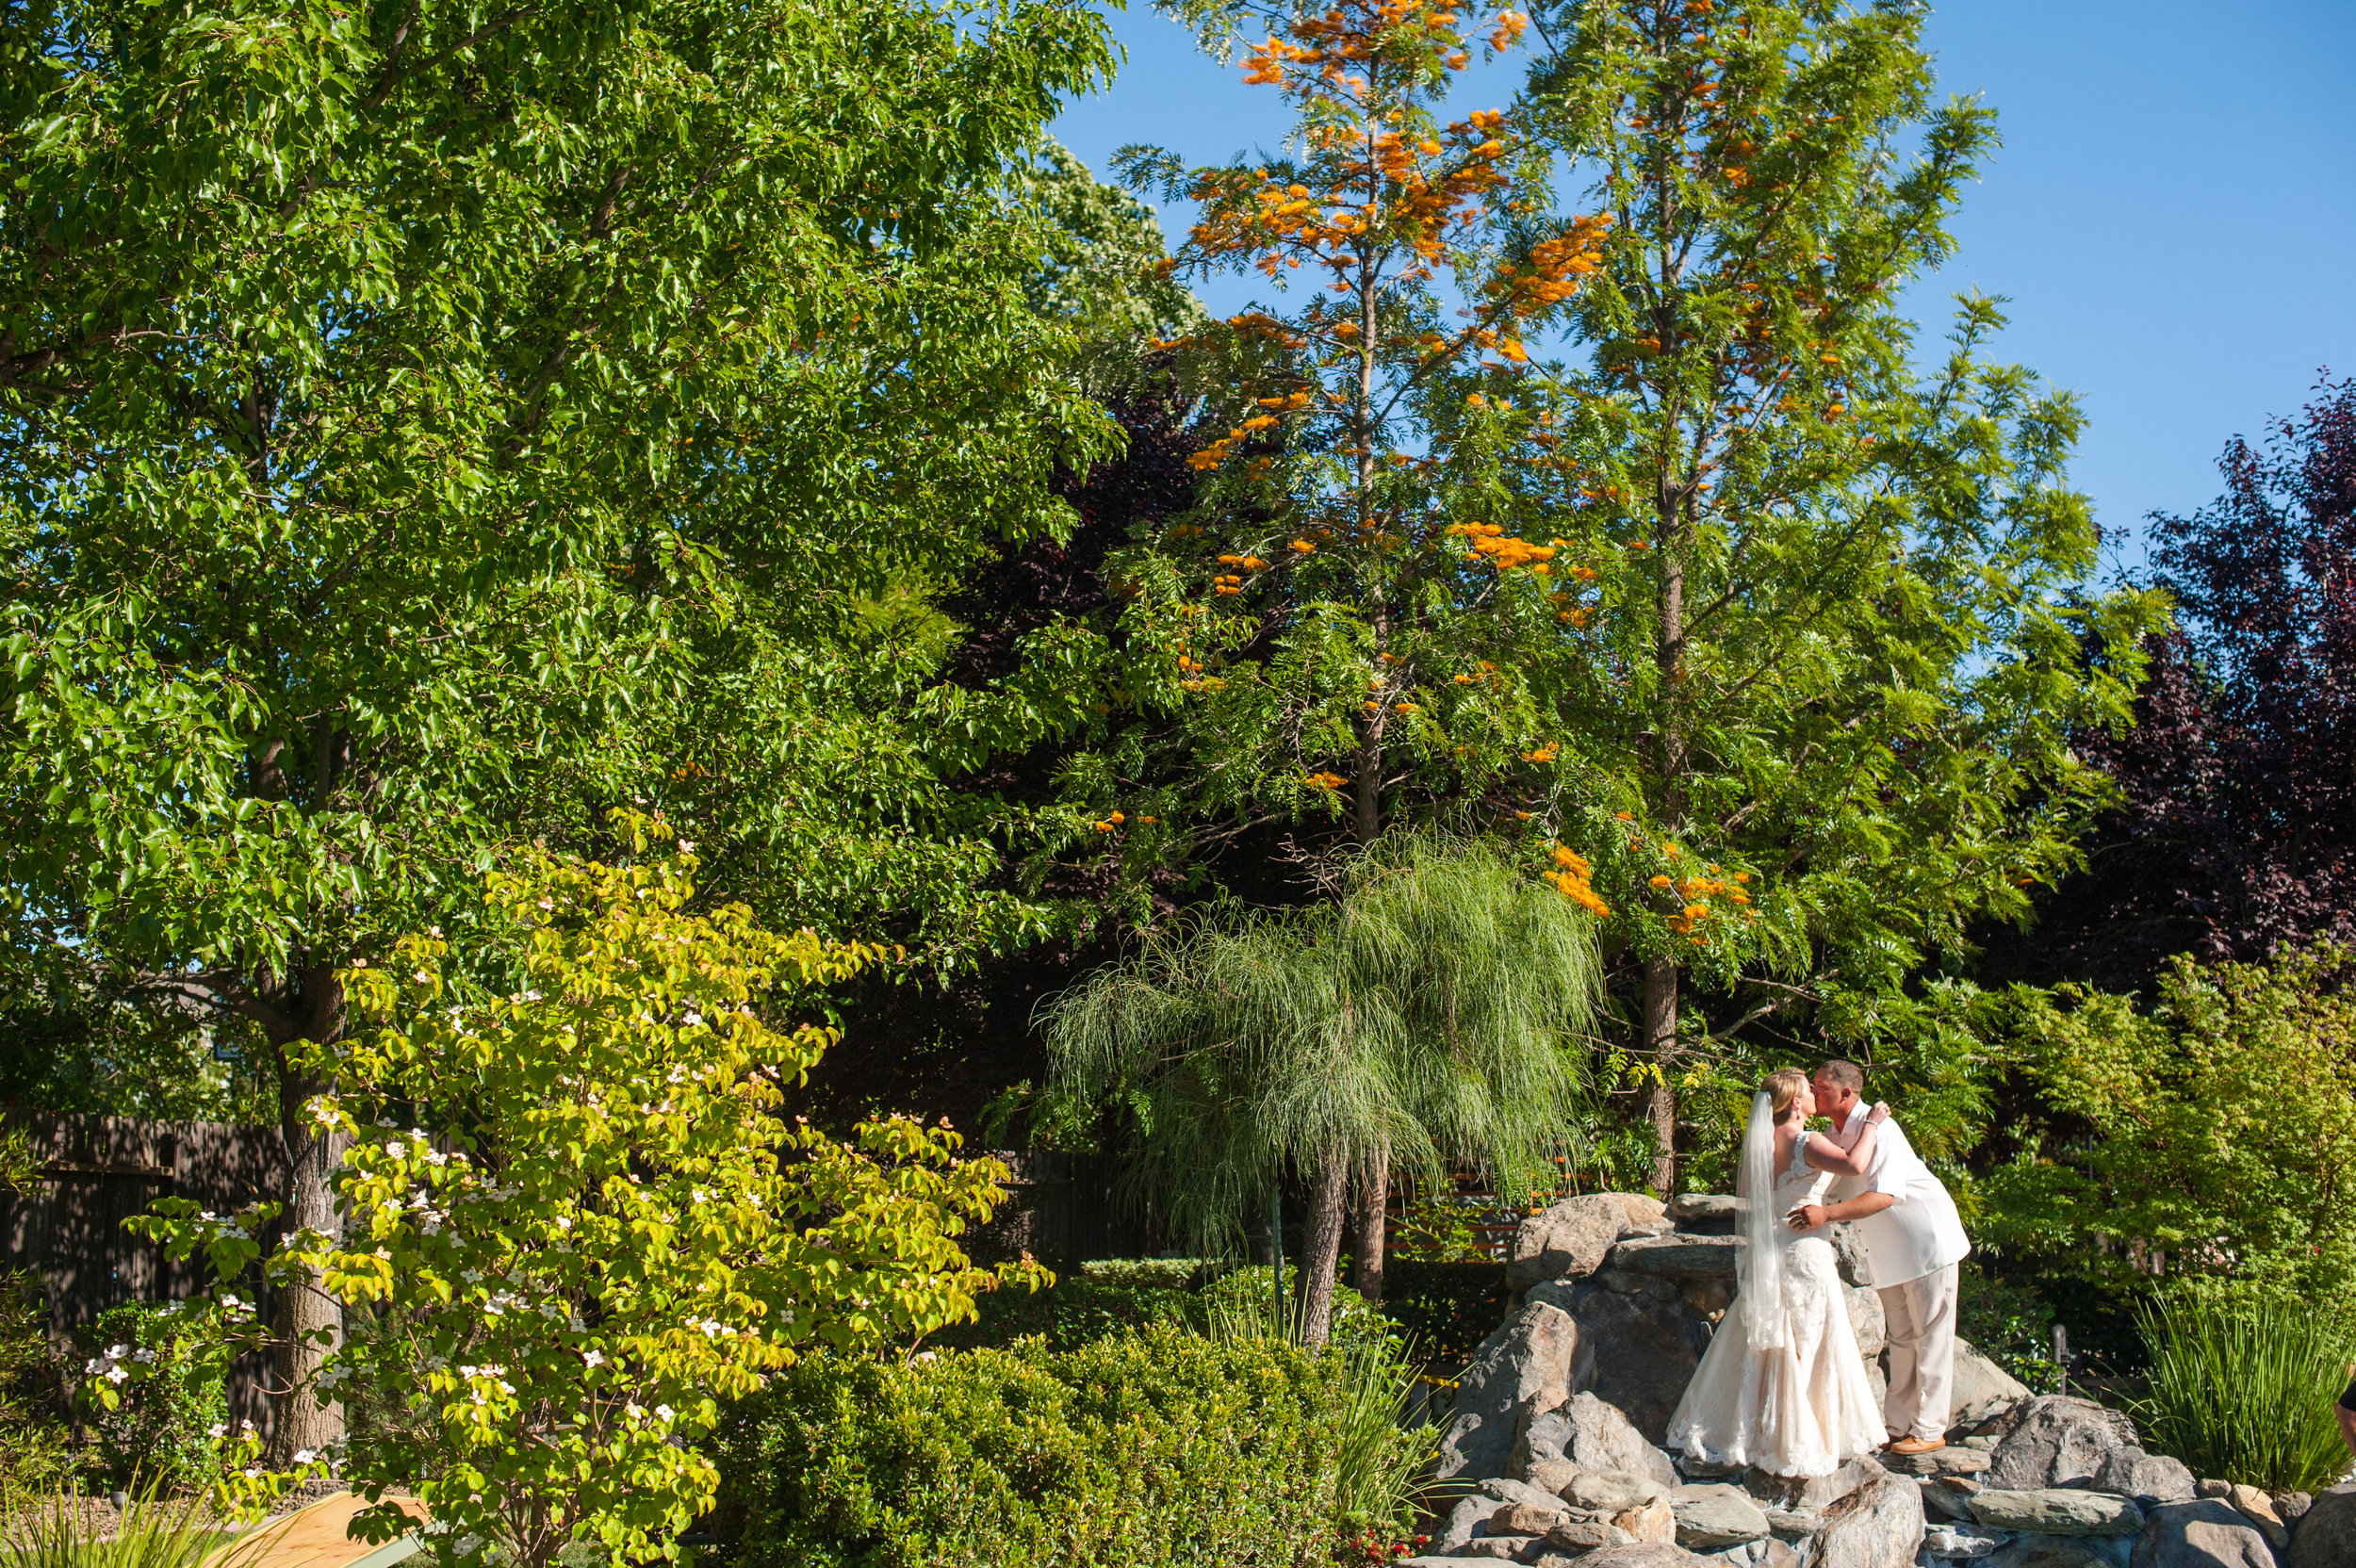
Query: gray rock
[(1643, 1554), (1505, 1490), (1708, 1298), (1613, 1490), (1866, 1320), (1793, 1524), (1468, 1519), (2291, 1507), (2203, 1533), (2212, 1487), (1879, 1525), (1526, 1518), (2057, 1511), (2257, 1506), (1848, 1251), (1567, 1240), (2050, 1551), (1774, 1553), (1712, 1517), (1654, 1351), (1941, 1503), (2056, 1440), (1960, 1542), (1706, 1213), (1584, 1535), (1954, 1460), (1550, 1475), (1679, 1255), (1814, 1491), (1980, 1388), (1533, 1361), (1503, 1549), (2325, 1536), (2146, 1478), (1593, 1434)]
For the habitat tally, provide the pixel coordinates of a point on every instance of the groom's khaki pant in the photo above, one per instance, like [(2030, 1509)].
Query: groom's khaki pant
[(1922, 1317)]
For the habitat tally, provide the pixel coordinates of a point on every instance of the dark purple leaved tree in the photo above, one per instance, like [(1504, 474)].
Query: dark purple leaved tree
[(2237, 830)]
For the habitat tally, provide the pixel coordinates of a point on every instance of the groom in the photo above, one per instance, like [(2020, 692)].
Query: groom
[(1914, 1240)]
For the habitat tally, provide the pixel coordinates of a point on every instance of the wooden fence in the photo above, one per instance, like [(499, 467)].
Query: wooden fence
[(99, 1171)]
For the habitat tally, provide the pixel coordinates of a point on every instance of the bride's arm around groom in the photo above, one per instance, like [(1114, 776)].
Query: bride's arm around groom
[(1914, 1240)]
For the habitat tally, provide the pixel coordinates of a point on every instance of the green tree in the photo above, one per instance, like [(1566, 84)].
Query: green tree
[(1820, 717), (1423, 1015), (392, 397), (577, 1220), (2210, 1135)]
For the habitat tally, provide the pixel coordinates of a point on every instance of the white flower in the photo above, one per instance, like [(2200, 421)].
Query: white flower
[(425, 976), (97, 1366), (468, 1544), (693, 1017), (323, 1111), (595, 1358), (304, 1456), (632, 1410), (116, 1373), (230, 1302), (687, 846), (663, 1412), (217, 1430), (144, 1355)]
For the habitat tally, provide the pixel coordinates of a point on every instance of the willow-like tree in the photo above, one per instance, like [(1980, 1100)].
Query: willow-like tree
[(1428, 1013), (391, 394), (1825, 716)]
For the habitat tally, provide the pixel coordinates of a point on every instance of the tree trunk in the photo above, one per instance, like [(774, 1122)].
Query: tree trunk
[(1661, 1044), (1374, 1194), (307, 1322), (1321, 1253)]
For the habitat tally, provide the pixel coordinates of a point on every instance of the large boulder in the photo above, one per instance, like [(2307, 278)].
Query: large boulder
[(2057, 1511), (2057, 1551), (2203, 1533), (1680, 1255), (1652, 1349), (1533, 1363), (1613, 1490), (1711, 1518), (2056, 1440), (1959, 1543), (1567, 1240), (2325, 1535), (1469, 1518), (1879, 1525), (1980, 1387), (2146, 1478)]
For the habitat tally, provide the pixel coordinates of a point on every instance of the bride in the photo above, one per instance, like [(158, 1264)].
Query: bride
[(1782, 1386)]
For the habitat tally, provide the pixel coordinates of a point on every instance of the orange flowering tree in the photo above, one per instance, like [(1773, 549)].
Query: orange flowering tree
[(1823, 719), (1329, 622)]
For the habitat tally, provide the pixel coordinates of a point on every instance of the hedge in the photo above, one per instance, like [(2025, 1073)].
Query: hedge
[(1155, 1449)]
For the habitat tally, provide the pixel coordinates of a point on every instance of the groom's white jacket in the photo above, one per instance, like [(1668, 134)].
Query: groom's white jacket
[(1920, 1233)]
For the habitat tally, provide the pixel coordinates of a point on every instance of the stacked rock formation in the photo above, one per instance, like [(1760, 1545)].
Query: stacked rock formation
[(1552, 1447)]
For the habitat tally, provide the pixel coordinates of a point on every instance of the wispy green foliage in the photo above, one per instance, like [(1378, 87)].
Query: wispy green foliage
[(1429, 1010), (2242, 1386)]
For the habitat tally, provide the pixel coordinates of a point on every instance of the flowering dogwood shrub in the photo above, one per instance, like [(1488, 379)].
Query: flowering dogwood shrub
[(574, 1222)]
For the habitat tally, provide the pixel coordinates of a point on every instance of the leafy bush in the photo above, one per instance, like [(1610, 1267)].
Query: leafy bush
[(2011, 1324), (1446, 1308), (2242, 1385), (1087, 1301), (2210, 1136), (166, 1424), (1158, 1449), (34, 1452)]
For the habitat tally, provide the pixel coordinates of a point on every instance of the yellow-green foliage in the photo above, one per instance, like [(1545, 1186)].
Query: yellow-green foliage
[(576, 1224), (2224, 1129)]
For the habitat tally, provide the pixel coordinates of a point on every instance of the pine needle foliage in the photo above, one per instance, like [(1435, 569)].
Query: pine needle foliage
[(1429, 1010)]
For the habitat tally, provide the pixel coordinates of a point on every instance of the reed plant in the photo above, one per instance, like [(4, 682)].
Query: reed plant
[(154, 1529), (2242, 1385)]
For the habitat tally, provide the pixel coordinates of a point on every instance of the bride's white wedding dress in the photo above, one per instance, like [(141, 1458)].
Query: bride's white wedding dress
[(1803, 1406)]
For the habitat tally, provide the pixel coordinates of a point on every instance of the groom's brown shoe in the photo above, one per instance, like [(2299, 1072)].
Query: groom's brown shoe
[(1918, 1446)]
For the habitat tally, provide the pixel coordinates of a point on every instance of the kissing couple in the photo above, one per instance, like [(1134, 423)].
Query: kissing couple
[(1782, 1386)]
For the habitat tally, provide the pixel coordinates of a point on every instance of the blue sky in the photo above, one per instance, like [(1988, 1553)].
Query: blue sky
[(2173, 213)]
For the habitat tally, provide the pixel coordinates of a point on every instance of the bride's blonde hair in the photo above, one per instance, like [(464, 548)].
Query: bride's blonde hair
[(1783, 1087)]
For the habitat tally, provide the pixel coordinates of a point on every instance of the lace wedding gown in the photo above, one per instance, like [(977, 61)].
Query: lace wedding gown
[(1805, 1407)]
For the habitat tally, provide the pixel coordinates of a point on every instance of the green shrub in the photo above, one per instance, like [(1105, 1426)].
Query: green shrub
[(2011, 1324), (157, 1529), (1446, 1308), (1087, 1301), (33, 1451), (166, 1423), (2242, 1385), (1155, 1449)]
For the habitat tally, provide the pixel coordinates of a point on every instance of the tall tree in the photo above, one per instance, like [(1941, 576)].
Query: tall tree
[(1825, 710), (390, 399)]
